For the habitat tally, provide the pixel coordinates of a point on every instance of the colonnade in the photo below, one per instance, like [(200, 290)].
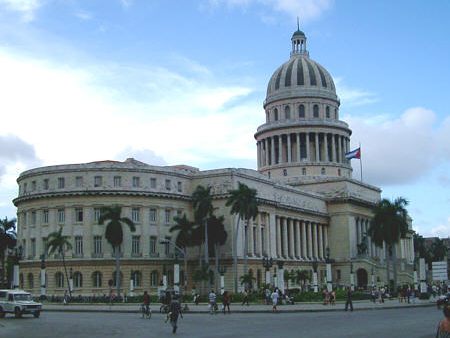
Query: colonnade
[(362, 228), (304, 146), (258, 236)]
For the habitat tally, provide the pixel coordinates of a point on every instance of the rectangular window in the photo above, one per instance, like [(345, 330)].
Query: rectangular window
[(152, 245), (61, 182), (168, 184), (167, 216), (135, 245), (61, 216), (78, 215), (136, 182), (33, 247), (153, 214), (179, 213), (33, 186), (45, 184), (98, 181), (78, 245), (33, 217), (96, 214), (44, 245), (117, 181), (263, 247), (338, 274), (79, 181), (136, 215), (180, 187), (167, 246), (153, 183), (97, 245), (45, 216)]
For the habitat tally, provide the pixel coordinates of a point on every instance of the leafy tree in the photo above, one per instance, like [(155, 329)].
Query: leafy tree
[(203, 208), (185, 229), (247, 279), (289, 276), (59, 243), (389, 224), (421, 250), (438, 250), (301, 276), (8, 239), (114, 233), (217, 237), (243, 202)]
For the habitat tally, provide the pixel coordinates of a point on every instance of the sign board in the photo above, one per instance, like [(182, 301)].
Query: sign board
[(439, 271)]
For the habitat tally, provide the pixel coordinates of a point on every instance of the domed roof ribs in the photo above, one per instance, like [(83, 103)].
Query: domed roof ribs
[(322, 77), (277, 82), (287, 79), (312, 75), (300, 77)]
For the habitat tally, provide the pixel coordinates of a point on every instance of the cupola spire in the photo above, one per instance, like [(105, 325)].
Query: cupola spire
[(299, 41)]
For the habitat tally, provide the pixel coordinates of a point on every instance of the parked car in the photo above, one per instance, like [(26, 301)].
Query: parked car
[(443, 300), (18, 302)]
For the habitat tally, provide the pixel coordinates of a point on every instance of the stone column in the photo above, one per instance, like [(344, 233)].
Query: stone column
[(310, 240), (339, 154), (297, 135), (271, 232), (325, 144), (308, 150), (304, 245), (369, 239), (285, 237), (278, 235), (298, 252), (272, 153), (320, 230), (258, 236), (289, 150), (325, 236), (250, 246), (258, 153), (316, 142), (315, 241), (291, 238), (333, 148), (280, 148)]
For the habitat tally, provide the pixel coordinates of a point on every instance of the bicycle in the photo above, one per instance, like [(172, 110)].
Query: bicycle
[(146, 313), (164, 308)]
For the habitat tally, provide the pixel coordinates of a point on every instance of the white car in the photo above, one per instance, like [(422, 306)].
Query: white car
[(18, 302)]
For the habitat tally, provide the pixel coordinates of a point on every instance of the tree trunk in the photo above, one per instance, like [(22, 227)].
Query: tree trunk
[(67, 275), (388, 270), (246, 248), (118, 271), (206, 242), (235, 272), (394, 265), (216, 253)]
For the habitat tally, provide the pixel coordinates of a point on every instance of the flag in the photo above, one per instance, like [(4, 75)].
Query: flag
[(353, 154)]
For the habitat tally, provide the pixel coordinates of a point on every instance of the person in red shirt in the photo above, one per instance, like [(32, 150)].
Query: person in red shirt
[(146, 302)]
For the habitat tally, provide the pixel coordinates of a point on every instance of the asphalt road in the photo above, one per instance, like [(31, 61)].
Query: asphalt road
[(396, 323)]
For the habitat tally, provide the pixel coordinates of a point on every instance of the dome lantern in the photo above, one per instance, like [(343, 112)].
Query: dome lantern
[(299, 42)]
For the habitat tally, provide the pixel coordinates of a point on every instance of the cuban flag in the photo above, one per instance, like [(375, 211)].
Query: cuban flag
[(353, 154)]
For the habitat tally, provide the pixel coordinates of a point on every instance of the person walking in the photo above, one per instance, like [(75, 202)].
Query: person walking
[(146, 302), (175, 311), (212, 302), (226, 301), (274, 297), (349, 299), (245, 297)]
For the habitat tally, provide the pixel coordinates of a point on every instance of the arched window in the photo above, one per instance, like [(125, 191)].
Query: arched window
[(339, 172), (154, 280), (301, 111), (137, 278), (30, 280), (284, 172), (287, 113), (97, 279), (59, 280), (21, 281), (114, 278), (275, 114), (316, 111), (322, 171), (303, 171), (77, 280), (327, 112)]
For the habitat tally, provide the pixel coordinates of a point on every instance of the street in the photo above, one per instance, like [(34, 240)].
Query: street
[(408, 322)]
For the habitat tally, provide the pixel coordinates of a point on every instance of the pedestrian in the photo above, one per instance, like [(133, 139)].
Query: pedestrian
[(333, 297), (196, 298), (349, 299), (274, 297), (175, 311), (212, 302), (65, 298), (146, 302), (245, 297), (226, 301), (268, 293)]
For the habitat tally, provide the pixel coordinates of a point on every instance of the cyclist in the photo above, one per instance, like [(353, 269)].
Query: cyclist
[(146, 302)]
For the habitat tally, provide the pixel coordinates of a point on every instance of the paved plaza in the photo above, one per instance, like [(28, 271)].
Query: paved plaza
[(408, 322)]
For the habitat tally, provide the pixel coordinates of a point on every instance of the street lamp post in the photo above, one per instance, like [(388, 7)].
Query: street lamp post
[(184, 253), (43, 281), (416, 281), (222, 270), (352, 278), (372, 276), (328, 265), (280, 278), (314, 266), (131, 283), (71, 281), (267, 264)]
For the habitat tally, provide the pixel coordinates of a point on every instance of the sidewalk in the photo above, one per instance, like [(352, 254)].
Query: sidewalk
[(238, 308)]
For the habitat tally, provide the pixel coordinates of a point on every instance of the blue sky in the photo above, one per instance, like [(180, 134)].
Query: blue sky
[(172, 82)]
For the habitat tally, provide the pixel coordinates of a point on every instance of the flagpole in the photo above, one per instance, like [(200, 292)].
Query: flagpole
[(360, 161)]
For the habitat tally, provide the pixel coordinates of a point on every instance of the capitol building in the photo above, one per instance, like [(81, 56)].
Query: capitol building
[(311, 210)]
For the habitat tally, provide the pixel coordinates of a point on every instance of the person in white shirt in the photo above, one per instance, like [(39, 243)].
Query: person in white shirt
[(274, 297)]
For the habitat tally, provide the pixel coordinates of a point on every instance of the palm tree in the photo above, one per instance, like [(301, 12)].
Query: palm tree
[(389, 224), (247, 279), (185, 229), (59, 243), (8, 239), (217, 237), (243, 202), (301, 276), (202, 203), (438, 250), (114, 233)]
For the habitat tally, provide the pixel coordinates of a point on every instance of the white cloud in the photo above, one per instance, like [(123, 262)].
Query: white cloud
[(83, 15), (306, 9), (26, 8), (353, 96), (399, 150), (442, 230)]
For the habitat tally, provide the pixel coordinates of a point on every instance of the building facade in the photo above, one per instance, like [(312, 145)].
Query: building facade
[(311, 210)]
